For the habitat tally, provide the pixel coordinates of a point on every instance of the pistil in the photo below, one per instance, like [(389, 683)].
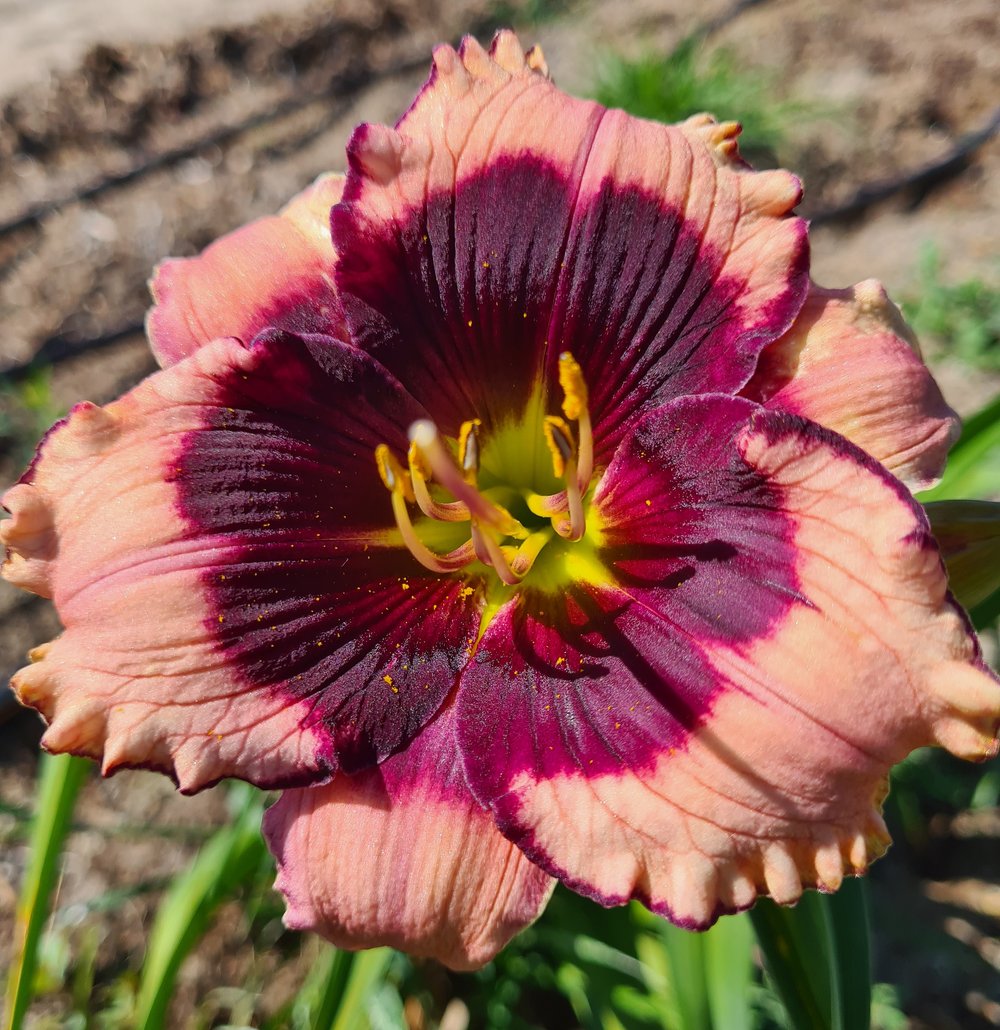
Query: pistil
[(496, 538), (425, 436)]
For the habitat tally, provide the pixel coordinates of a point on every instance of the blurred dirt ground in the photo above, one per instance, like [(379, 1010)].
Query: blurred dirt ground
[(128, 138)]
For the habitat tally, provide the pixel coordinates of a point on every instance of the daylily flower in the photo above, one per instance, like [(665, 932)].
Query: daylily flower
[(543, 521)]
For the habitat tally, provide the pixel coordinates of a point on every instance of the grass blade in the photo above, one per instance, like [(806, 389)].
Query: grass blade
[(367, 973), (798, 952), (729, 972), (818, 957), (60, 778), (330, 991), (227, 861), (685, 953), (850, 925)]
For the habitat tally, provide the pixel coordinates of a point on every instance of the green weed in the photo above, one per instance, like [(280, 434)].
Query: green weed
[(964, 317), (27, 409), (690, 79)]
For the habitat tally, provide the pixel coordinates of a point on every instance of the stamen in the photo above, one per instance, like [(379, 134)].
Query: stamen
[(397, 482), (431, 460), (530, 550), (546, 505), (425, 436), (393, 475), (559, 437), (450, 562), (489, 552), (575, 407), (443, 511), (468, 449), (564, 464)]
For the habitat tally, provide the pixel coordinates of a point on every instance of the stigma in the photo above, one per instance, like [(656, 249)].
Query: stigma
[(441, 479)]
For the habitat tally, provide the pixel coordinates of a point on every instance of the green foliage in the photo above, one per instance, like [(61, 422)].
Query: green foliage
[(506, 13), (27, 409), (697, 981), (345, 990), (690, 80), (964, 317), (973, 471), (886, 1012), (817, 956), (228, 861), (59, 783)]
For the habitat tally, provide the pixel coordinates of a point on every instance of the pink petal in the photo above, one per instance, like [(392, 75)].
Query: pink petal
[(851, 363), (696, 737), (404, 856), (275, 272), (503, 222), (220, 551)]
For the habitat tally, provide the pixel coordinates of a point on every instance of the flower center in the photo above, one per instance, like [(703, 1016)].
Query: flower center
[(444, 483)]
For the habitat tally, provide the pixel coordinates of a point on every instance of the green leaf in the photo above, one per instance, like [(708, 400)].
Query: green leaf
[(847, 911), (974, 463), (685, 953), (968, 533), (319, 1000), (227, 861), (367, 974), (59, 783), (729, 971), (798, 945), (817, 955), (987, 612)]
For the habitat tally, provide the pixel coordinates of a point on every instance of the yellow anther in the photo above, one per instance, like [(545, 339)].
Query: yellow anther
[(573, 386), (529, 550), (559, 437), (418, 467), (468, 448), (394, 476), (564, 463)]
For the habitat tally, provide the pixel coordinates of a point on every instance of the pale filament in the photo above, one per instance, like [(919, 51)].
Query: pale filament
[(431, 460), (443, 511), (489, 552), (485, 516), (400, 485), (450, 562), (530, 550), (573, 463), (564, 464)]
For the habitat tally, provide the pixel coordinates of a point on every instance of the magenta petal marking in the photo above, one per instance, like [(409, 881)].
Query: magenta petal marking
[(648, 736), (604, 677), (470, 296), (317, 598)]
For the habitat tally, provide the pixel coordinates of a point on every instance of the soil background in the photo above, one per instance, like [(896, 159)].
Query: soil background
[(130, 132)]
